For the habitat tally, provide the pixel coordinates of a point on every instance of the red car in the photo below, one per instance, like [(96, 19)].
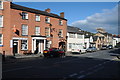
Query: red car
[(54, 52)]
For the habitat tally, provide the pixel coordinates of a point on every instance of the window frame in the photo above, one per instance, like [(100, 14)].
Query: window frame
[(1, 39), (47, 19), (1, 22), (24, 15), (47, 32), (36, 18), (22, 45), (71, 35), (1, 7), (61, 34), (37, 30), (61, 22), (26, 33)]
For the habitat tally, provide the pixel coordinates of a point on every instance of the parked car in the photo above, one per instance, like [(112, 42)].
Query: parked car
[(91, 49), (104, 47), (54, 52), (78, 51), (82, 50), (110, 47)]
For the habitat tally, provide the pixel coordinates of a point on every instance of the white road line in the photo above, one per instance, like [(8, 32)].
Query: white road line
[(65, 61), (17, 69), (89, 73), (73, 75), (82, 76)]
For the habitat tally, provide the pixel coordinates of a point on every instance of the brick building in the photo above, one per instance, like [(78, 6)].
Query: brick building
[(24, 29)]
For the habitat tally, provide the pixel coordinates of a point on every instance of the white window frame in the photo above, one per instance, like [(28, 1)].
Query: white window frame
[(22, 45), (48, 32), (71, 35), (24, 15), (1, 2), (47, 19), (1, 23), (60, 22), (60, 34), (26, 33), (1, 39), (37, 30), (37, 17), (79, 36)]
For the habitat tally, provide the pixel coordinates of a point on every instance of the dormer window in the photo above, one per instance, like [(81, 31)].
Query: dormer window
[(60, 22), (24, 15), (47, 20)]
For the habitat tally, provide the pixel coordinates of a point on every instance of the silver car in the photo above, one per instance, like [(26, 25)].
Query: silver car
[(91, 49)]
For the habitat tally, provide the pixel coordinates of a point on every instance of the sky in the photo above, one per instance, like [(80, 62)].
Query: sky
[(86, 15)]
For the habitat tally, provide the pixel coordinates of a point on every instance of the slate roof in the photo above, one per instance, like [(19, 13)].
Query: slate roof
[(18, 7), (72, 29), (106, 34)]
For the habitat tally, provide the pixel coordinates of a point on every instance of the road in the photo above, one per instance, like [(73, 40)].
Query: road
[(94, 65)]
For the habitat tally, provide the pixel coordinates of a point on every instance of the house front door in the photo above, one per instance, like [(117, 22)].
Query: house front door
[(15, 47)]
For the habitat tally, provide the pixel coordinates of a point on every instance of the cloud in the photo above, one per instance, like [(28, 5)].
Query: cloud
[(108, 20)]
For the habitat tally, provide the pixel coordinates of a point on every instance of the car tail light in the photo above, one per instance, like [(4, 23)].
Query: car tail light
[(45, 51)]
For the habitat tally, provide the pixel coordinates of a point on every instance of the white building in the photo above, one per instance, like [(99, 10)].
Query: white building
[(75, 41), (89, 41)]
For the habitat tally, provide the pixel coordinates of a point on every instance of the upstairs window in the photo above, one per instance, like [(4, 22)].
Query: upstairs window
[(60, 34), (60, 22), (1, 21), (24, 30), (1, 5), (47, 20), (24, 15), (1, 39), (79, 36), (71, 35), (37, 30), (47, 32), (37, 17)]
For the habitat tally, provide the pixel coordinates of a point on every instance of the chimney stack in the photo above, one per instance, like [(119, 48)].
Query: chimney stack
[(47, 10), (62, 14)]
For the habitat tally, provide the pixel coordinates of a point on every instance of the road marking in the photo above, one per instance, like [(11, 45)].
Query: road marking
[(65, 61), (73, 75), (82, 76), (89, 73), (17, 69), (94, 69)]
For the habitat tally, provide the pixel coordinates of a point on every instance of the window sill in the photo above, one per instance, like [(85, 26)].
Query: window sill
[(24, 19), (24, 49), (37, 21), (47, 22), (24, 35), (1, 27), (1, 45), (61, 24)]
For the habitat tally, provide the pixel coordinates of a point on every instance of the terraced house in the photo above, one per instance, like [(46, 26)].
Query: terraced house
[(24, 29)]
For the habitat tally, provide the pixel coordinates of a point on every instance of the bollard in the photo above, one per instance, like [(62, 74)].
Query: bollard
[(3, 56)]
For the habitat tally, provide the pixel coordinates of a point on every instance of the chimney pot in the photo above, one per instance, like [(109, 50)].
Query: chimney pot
[(47, 10), (62, 14)]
